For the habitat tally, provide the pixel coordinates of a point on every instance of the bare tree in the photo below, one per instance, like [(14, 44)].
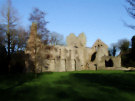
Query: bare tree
[(56, 39), (22, 36), (37, 16), (123, 45), (13, 40), (113, 50), (19, 38), (131, 11), (9, 19), (2, 35)]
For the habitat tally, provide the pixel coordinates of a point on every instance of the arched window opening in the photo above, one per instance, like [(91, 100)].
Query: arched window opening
[(93, 57)]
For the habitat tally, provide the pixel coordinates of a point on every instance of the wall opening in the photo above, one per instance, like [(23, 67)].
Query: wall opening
[(93, 57), (75, 46), (59, 52), (46, 67), (75, 64), (65, 65), (109, 63), (95, 66)]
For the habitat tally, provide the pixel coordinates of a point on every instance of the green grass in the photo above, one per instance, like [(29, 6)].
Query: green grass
[(69, 86)]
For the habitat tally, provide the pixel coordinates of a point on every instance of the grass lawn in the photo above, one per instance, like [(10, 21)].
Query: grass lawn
[(69, 86)]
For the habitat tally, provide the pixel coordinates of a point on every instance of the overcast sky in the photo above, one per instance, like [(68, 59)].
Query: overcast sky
[(96, 18)]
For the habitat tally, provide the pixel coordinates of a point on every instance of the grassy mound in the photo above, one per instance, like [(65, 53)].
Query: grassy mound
[(69, 86)]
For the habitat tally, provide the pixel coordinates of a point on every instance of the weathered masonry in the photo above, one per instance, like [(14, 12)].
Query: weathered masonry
[(73, 57)]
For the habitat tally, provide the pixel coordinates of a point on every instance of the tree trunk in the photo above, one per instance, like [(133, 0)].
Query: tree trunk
[(9, 54)]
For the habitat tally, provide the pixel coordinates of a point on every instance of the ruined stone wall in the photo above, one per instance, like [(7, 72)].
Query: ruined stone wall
[(73, 57), (67, 59)]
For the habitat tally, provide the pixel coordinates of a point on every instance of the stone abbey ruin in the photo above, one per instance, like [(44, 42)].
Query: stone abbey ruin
[(73, 57)]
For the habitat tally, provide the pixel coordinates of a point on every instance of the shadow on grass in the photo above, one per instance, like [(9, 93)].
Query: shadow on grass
[(72, 87), (101, 87), (125, 82)]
